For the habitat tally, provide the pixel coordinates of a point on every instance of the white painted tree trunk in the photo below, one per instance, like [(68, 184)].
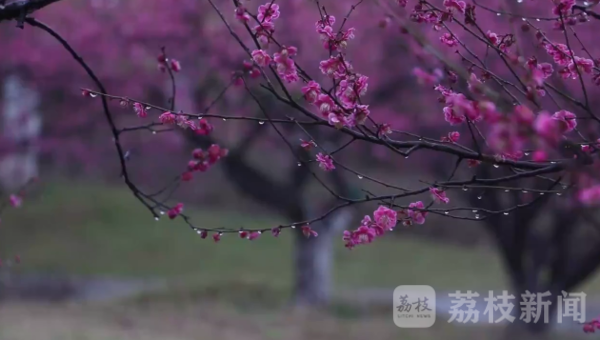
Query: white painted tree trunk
[(21, 126), (314, 260)]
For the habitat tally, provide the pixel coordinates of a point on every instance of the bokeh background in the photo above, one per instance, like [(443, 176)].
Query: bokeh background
[(94, 264)]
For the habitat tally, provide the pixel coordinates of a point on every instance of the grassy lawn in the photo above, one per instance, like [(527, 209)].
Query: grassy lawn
[(210, 321), (98, 230), (231, 290)]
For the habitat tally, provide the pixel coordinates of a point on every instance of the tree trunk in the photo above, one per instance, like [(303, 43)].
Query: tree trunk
[(314, 261), (21, 126)]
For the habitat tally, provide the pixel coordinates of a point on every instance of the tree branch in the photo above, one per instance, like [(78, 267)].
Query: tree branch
[(19, 9)]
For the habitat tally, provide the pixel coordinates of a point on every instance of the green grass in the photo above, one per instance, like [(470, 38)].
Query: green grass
[(94, 229), (209, 321), (229, 290)]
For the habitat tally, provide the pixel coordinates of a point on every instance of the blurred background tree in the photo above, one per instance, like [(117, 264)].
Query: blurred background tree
[(79, 224)]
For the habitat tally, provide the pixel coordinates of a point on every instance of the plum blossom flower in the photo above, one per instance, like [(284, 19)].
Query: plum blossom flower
[(385, 217), (264, 31), (563, 7), (325, 104), (455, 5), (307, 145), (351, 88), (567, 119), (561, 53), (449, 40), (362, 235), (140, 110), (203, 234), (175, 211), (539, 156), (424, 77), (463, 106), (215, 152), (589, 196), (203, 128), (175, 65), (327, 20), (590, 327), (547, 127), (335, 41), (15, 201), (275, 231), (504, 138), (474, 84), (337, 119), (383, 130), (311, 91), (261, 57), (167, 118), (308, 232), (286, 68), (473, 163), (187, 176), (582, 64), (586, 148), (452, 137), (241, 14), (451, 116), (546, 69), (325, 162), (333, 66), (268, 12), (439, 195), (377, 227), (360, 114), (417, 216), (493, 38)]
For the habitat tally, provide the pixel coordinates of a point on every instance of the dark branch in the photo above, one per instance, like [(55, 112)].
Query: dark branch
[(19, 9)]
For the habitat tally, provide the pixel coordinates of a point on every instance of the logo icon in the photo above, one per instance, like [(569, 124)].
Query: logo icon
[(414, 306)]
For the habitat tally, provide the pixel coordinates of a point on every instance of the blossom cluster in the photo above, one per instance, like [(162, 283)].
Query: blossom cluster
[(202, 160), (201, 127)]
